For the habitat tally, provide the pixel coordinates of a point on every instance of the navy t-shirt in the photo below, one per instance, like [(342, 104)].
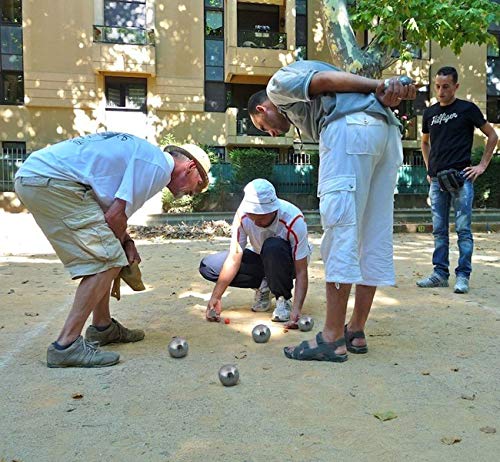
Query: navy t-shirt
[(451, 130)]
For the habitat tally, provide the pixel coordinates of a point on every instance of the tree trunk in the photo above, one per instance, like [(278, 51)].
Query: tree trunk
[(341, 40)]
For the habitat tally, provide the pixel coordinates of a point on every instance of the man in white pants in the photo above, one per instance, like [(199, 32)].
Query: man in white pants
[(360, 152)]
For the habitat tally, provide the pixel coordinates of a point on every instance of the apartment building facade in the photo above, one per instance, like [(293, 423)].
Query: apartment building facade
[(179, 67)]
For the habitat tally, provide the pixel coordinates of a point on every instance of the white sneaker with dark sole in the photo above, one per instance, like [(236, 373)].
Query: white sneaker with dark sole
[(282, 311)]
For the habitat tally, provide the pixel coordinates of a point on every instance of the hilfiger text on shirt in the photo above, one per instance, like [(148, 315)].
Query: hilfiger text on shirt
[(439, 119)]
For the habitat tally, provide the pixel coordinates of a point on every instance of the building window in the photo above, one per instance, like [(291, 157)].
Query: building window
[(126, 94), (123, 13), (301, 28), (493, 82), (11, 53), (215, 88)]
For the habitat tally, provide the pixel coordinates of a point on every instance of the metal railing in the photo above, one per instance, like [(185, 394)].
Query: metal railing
[(10, 161), (255, 39), (124, 35)]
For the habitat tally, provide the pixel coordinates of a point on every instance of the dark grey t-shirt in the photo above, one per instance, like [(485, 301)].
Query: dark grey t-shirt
[(288, 90)]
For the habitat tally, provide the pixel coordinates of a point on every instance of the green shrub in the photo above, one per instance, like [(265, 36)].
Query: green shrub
[(251, 163), (487, 186), (172, 205)]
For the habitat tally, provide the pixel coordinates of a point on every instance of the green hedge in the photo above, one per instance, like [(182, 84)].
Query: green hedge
[(487, 186), (251, 163)]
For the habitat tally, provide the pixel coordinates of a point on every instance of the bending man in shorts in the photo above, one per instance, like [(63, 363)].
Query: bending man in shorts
[(81, 193)]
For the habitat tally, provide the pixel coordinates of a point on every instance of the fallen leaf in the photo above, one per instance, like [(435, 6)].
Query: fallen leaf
[(425, 373), (488, 429), (387, 415), (29, 313), (454, 369), (468, 397), (240, 356), (24, 282), (450, 440), (77, 396)]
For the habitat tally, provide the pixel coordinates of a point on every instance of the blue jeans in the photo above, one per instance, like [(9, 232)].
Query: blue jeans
[(441, 202)]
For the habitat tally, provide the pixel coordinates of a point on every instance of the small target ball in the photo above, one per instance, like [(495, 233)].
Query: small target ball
[(227, 321), (178, 347), (306, 323), (229, 375), (261, 333)]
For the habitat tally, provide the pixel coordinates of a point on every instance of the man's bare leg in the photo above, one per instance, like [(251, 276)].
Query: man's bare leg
[(88, 295), (362, 306), (101, 315), (336, 307)]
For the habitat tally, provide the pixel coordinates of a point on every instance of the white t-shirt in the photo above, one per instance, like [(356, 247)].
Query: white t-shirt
[(114, 165), (289, 224)]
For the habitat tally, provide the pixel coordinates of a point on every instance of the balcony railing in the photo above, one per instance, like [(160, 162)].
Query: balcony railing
[(269, 40), (124, 35)]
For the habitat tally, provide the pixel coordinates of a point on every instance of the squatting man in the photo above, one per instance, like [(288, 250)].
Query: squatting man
[(278, 253)]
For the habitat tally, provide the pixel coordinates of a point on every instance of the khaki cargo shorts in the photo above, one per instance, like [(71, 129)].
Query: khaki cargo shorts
[(73, 222)]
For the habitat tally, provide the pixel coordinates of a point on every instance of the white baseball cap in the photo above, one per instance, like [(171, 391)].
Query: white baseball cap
[(200, 157), (260, 197)]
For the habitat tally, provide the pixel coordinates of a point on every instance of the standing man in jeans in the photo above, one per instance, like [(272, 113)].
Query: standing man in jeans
[(360, 153), (448, 132)]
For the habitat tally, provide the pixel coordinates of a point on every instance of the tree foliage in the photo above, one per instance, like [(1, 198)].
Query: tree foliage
[(399, 26)]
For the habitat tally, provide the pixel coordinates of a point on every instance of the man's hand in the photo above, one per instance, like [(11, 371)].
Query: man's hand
[(395, 92), (116, 219), (471, 173), (214, 309), (131, 251), (294, 319)]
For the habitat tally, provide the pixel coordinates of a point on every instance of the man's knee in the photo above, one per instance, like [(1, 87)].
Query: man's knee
[(274, 246), (208, 269)]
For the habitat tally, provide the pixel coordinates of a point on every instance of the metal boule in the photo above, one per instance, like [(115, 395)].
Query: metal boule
[(306, 323), (261, 333), (178, 347), (229, 375), (403, 80)]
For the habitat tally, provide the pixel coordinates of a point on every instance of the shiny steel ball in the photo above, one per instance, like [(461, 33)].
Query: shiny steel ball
[(178, 347), (403, 79), (261, 333), (306, 323), (229, 375)]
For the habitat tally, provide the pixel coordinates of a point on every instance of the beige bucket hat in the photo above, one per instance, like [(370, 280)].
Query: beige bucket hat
[(200, 157)]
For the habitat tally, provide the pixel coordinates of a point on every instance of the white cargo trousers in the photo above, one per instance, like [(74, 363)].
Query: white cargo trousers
[(360, 155)]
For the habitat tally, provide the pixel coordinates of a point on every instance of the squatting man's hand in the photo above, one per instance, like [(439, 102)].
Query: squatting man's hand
[(214, 309), (294, 319)]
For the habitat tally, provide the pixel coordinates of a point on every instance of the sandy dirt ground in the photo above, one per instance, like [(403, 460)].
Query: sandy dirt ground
[(434, 362)]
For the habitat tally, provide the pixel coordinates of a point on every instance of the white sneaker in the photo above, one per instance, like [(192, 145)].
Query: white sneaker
[(282, 311), (262, 298)]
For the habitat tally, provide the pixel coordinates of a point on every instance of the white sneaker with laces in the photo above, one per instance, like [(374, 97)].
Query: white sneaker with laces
[(262, 300), (282, 311)]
